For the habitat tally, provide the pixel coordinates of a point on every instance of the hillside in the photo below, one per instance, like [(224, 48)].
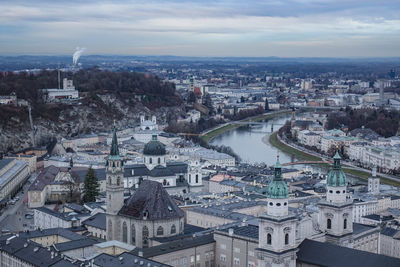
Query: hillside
[(106, 96)]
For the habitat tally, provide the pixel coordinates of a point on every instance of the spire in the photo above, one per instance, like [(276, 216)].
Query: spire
[(114, 144), (336, 176), (336, 160), (278, 169), (277, 188)]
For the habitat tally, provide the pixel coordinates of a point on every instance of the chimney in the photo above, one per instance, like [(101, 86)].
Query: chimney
[(230, 231)]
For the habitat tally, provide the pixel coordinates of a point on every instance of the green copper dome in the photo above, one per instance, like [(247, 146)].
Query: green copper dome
[(336, 176), (277, 188), (154, 148)]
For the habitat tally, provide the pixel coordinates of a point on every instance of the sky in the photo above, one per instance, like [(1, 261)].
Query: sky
[(253, 28)]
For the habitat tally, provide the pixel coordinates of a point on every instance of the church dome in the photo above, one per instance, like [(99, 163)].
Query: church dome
[(154, 148), (336, 176), (277, 188)]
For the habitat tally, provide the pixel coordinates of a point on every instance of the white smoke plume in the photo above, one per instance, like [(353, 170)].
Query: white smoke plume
[(77, 54)]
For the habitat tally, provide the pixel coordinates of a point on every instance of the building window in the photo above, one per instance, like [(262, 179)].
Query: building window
[(173, 229), (118, 180), (286, 239), (184, 262), (159, 160), (345, 224), (236, 261), (222, 257), (124, 233), (160, 231), (145, 234), (197, 178), (133, 234), (236, 250), (151, 161), (329, 224), (269, 239), (190, 178)]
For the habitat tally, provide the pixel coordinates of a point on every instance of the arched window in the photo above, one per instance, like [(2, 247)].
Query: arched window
[(197, 178), (345, 224), (160, 230), (173, 229), (109, 230), (113, 163), (159, 160), (269, 239), (190, 178), (286, 239), (133, 234), (329, 224), (145, 235), (151, 161), (124, 233)]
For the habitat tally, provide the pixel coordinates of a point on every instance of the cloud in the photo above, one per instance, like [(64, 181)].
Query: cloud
[(229, 26)]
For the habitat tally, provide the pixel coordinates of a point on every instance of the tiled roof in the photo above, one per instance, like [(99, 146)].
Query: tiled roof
[(46, 177), (329, 255), (125, 260), (152, 198), (98, 221), (175, 246)]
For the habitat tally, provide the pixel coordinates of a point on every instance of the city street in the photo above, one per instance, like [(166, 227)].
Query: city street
[(13, 216)]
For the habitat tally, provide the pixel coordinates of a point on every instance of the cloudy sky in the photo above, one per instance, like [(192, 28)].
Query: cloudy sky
[(289, 28)]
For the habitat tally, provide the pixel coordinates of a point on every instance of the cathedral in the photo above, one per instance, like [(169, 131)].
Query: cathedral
[(148, 213), (279, 242)]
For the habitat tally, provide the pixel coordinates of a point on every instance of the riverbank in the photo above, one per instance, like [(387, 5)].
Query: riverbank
[(274, 141), (208, 136)]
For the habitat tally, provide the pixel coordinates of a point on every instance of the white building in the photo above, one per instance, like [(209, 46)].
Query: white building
[(309, 138), (13, 173), (364, 207), (68, 92)]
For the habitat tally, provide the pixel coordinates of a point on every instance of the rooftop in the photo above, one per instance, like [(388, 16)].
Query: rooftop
[(336, 256)]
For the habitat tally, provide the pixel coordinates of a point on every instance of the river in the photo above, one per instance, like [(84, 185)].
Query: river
[(247, 143)]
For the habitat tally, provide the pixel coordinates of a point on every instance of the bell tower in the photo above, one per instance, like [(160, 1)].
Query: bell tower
[(114, 188), (336, 211), (277, 229)]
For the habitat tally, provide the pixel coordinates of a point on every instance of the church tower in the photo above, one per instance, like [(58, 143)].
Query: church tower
[(373, 182), (114, 188), (336, 211), (277, 229)]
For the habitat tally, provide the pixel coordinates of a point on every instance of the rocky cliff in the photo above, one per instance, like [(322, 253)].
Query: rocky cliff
[(93, 114)]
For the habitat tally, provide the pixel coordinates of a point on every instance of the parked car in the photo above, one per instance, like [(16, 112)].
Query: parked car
[(29, 216)]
